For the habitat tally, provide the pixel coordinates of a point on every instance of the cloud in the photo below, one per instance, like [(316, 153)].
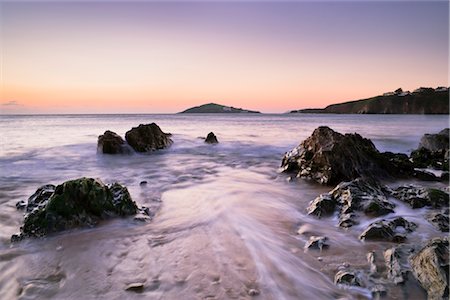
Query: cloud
[(10, 103)]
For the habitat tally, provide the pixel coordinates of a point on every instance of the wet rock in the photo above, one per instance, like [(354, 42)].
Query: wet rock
[(149, 137), (111, 143), (211, 138), (425, 175), (136, 287), (433, 151), (38, 199), (317, 242), (359, 195), (439, 220), (347, 278), (396, 259), (388, 230), (371, 259), (77, 203), (436, 142), (329, 157), (418, 197), (431, 268), (322, 206), (253, 292), (144, 182)]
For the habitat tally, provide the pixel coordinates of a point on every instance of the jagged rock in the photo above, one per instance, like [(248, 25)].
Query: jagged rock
[(75, 203), (347, 278), (396, 259), (329, 157), (431, 268), (317, 242), (362, 195), (439, 220), (111, 143), (149, 137), (433, 151), (371, 259), (211, 138), (38, 199), (418, 197), (388, 230)]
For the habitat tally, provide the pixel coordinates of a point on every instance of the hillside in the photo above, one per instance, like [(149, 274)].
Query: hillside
[(422, 101), (213, 108)]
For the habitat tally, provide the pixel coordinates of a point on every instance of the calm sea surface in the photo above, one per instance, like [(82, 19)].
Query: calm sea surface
[(226, 222)]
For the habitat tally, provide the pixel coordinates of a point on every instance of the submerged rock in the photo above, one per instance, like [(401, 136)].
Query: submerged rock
[(359, 195), (317, 242), (149, 137), (418, 197), (431, 268), (388, 230), (211, 138), (76, 203), (111, 143)]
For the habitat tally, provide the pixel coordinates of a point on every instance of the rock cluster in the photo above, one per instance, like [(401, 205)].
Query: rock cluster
[(75, 203)]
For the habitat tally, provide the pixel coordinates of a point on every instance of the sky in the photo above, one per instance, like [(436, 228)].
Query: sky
[(164, 57)]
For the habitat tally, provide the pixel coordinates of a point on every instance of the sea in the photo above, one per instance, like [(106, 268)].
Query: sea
[(227, 223)]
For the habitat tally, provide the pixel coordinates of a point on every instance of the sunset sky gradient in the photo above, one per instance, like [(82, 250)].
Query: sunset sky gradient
[(155, 57)]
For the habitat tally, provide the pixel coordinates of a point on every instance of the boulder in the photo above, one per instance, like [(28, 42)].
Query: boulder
[(397, 266), (388, 230), (329, 157), (76, 203), (433, 151), (211, 138), (149, 137), (359, 195), (111, 143), (418, 197), (431, 268)]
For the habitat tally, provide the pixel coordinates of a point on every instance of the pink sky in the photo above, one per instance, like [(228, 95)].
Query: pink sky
[(163, 58)]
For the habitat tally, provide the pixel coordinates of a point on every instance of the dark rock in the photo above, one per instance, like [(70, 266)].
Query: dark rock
[(329, 157), (149, 137), (111, 143), (388, 230), (396, 259), (347, 278), (77, 203), (362, 195), (144, 182), (418, 197), (433, 151), (38, 199), (445, 176), (317, 242), (425, 175), (431, 268), (211, 138), (439, 220)]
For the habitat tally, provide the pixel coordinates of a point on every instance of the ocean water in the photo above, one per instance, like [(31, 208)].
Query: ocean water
[(226, 220)]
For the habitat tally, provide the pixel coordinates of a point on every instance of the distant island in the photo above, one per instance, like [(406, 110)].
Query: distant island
[(213, 108), (421, 101)]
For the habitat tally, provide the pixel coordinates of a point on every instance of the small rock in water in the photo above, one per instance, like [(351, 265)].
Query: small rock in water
[(253, 292), (439, 220), (317, 242), (211, 138), (144, 182), (136, 287), (387, 230), (347, 278)]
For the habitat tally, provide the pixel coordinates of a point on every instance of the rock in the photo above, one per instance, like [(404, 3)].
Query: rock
[(322, 205), (143, 182), (388, 230), (39, 198), (397, 263), (347, 278), (76, 203), (431, 268), (433, 151), (253, 292), (359, 195), (418, 197), (111, 143), (211, 138), (371, 259), (329, 157), (149, 137), (425, 175), (136, 287), (439, 220), (317, 242)]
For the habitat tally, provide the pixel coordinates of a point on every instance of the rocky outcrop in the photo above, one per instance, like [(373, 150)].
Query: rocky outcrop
[(213, 108), (359, 195), (75, 203), (149, 137), (211, 138), (431, 268), (388, 230), (418, 197), (329, 157), (433, 151), (111, 143), (38, 199)]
